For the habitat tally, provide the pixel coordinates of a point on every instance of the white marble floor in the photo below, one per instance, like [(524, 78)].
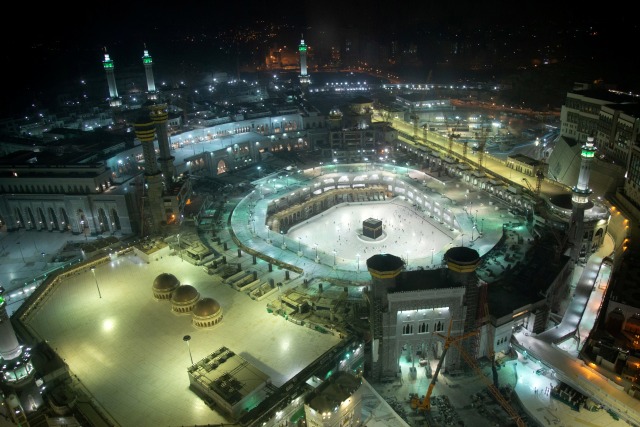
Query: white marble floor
[(128, 349), (406, 233)]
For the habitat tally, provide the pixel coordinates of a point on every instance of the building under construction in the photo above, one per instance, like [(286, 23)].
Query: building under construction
[(407, 308)]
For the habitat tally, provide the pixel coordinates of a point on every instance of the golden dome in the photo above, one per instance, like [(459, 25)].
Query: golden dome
[(165, 282), (206, 307), (184, 293)]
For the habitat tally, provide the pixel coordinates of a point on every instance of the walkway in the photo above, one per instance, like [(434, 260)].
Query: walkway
[(568, 369)]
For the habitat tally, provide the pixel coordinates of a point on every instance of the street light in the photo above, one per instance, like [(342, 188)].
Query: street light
[(93, 270), (334, 258), (476, 221), (284, 245), (268, 234), (180, 248), (299, 248), (358, 258), (186, 339), (481, 225), (432, 250), (316, 248)]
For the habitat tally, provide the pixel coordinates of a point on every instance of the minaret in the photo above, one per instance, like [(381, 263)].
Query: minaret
[(15, 365), (580, 199), (148, 70), (304, 78), (145, 129), (109, 68), (160, 116)]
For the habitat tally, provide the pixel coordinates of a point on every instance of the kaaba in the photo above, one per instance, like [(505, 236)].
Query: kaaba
[(372, 228)]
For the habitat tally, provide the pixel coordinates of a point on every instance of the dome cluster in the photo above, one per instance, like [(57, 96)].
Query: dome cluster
[(205, 312)]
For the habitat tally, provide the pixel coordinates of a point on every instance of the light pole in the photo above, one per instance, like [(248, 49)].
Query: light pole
[(299, 246), (268, 234), (432, 251), (358, 261), (316, 248), (93, 270), (476, 221), (180, 248), (284, 245), (334, 259), (186, 339), (481, 225)]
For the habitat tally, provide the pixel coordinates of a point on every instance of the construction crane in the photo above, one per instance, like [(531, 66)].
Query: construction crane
[(414, 119), (483, 318), (481, 145), (424, 404), (536, 191), (492, 388), (449, 135)]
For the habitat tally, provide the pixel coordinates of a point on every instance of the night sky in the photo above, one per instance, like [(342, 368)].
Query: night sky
[(56, 44)]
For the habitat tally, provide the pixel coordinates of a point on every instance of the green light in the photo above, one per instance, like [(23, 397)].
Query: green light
[(1, 300), (147, 60), (302, 48), (588, 152), (108, 64)]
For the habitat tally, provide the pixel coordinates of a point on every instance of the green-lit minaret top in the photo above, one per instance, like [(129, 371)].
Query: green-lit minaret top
[(107, 63), (146, 58), (302, 47)]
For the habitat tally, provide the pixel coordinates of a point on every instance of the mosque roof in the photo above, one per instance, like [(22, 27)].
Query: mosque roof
[(165, 282), (384, 262), (206, 307), (184, 293)]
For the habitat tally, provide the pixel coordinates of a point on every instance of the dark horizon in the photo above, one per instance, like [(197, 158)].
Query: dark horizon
[(60, 50)]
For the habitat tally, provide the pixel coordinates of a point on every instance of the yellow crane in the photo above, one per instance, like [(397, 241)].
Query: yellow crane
[(492, 388), (481, 145), (424, 404)]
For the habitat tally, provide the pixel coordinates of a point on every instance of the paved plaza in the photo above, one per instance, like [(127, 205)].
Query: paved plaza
[(127, 349)]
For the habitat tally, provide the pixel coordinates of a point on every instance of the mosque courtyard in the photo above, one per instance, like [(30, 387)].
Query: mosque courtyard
[(126, 349)]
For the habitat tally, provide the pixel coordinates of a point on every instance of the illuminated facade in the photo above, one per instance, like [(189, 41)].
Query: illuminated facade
[(17, 369), (109, 68), (304, 77), (147, 61)]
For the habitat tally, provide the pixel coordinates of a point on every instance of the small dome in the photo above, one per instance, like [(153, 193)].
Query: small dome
[(166, 282), (206, 307), (184, 293)]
